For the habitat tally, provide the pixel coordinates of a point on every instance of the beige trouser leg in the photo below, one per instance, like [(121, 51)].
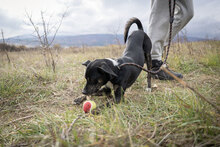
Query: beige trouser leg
[(158, 29)]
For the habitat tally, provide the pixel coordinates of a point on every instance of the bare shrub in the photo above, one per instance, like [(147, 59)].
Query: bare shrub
[(42, 32)]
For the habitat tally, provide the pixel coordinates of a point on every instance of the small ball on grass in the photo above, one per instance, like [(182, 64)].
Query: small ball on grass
[(88, 106)]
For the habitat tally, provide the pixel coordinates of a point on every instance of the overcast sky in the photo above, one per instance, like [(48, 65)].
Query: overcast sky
[(100, 16)]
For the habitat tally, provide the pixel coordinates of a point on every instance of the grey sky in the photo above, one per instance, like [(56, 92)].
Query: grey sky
[(101, 16)]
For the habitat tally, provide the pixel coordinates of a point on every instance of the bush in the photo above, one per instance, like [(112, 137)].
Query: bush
[(12, 48)]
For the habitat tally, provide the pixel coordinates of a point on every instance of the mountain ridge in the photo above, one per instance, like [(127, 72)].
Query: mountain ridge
[(77, 40)]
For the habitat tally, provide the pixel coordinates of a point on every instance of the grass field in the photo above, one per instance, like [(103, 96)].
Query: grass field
[(36, 105)]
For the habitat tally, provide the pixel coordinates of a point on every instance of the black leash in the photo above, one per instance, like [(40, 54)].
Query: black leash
[(171, 12)]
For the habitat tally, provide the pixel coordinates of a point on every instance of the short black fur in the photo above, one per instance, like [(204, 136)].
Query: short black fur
[(102, 71)]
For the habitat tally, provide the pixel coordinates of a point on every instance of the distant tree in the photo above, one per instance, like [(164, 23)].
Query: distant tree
[(4, 47), (42, 31)]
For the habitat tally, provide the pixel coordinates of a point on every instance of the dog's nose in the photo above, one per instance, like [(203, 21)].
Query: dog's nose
[(84, 92)]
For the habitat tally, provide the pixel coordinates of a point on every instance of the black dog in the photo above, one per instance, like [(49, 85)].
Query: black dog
[(101, 72)]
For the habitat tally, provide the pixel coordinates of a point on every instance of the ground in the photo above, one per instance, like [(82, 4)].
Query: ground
[(36, 104)]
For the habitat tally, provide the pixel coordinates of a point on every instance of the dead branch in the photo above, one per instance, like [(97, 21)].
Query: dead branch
[(44, 34), (61, 20), (44, 29), (165, 137), (36, 29), (71, 126), (191, 88), (155, 130), (19, 119), (65, 133), (4, 49)]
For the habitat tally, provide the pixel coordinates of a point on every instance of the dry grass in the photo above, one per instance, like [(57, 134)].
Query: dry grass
[(36, 104)]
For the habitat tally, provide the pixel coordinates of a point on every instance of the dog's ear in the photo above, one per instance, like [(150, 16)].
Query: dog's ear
[(86, 63), (105, 68)]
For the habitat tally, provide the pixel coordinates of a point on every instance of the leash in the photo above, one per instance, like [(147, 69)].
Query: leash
[(171, 13)]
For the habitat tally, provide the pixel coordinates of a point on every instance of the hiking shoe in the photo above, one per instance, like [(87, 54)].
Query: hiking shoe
[(161, 75)]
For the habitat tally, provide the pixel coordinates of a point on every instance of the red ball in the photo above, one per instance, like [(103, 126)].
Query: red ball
[(87, 106)]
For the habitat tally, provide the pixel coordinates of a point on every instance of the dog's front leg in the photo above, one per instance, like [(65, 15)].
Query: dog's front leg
[(105, 91), (119, 94), (148, 61), (79, 100)]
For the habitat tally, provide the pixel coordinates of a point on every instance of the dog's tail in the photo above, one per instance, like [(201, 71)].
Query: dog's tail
[(128, 25)]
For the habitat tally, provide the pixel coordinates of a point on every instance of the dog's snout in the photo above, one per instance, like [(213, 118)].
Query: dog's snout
[(84, 92)]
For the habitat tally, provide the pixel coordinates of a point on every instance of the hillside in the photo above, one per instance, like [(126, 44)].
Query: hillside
[(36, 104), (66, 41), (78, 40)]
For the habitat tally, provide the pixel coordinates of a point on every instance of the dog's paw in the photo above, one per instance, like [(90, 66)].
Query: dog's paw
[(148, 89), (79, 100)]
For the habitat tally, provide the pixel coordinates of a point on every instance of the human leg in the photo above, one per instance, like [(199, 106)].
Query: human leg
[(159, 29), (184, 12)]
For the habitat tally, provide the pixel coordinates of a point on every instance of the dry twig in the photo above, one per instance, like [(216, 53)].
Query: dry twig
[(19, 119), (65, 133), (43, 36), (4, 49), (191, 88)]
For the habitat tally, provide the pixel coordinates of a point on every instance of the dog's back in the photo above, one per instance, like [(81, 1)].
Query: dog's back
[(135, 42), (138, 45)]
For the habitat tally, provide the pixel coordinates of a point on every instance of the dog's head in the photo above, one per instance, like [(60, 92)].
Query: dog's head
[(98, 73)]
